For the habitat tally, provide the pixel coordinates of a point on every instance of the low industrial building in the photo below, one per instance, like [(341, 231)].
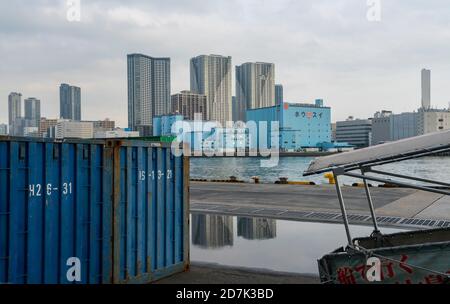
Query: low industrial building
[(387, 126), (301, 126), (74, 129), (298, 127), (201, 135), (356, 132), (45, 126), (3, 129), (162, 125), (433, 120), (103, 125), (117, 133)]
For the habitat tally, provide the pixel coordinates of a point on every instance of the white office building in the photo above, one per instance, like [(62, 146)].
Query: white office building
[(433, 120), (74, 129), (357, 132), (118, 133)]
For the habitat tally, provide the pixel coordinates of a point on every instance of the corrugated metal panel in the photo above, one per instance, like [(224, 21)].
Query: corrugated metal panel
[(119, 208), (151, 226)]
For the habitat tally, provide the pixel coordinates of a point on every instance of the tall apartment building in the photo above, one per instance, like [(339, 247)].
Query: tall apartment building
[(188, 104), (426, 88), (148, 91), (255, 85), (211, 75), (69, 102), (14, 112), (279, 99), (33, 111)]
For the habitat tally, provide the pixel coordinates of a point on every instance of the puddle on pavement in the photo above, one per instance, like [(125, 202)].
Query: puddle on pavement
[(277, 245)]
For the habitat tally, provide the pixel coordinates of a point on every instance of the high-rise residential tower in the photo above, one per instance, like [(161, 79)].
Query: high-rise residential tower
[(279, 99), (69, 102), (14, 111), (255, 85), (33, 111), (426, 89), (148, 91), (211, 76), (188, 104)]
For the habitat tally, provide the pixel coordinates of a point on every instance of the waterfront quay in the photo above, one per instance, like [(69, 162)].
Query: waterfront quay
[(401, 207), (207, 273)]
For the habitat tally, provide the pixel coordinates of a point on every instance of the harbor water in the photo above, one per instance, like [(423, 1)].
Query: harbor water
[(293, 168)]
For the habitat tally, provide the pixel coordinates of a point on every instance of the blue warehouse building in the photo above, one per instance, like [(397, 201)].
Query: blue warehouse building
[(301, 126), (162, 125)]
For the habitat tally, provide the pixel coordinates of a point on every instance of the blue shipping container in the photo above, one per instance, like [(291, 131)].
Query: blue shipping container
[(91, 211)]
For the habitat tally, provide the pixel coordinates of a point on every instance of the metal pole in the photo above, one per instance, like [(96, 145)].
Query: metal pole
[(382, 180), (343, 210), (419, 179), (369, 199), (397, 159)]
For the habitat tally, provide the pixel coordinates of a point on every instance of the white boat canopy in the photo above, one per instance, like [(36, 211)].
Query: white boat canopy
[(385, 153)]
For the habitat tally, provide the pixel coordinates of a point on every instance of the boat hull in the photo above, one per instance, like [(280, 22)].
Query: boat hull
[(419, 257)]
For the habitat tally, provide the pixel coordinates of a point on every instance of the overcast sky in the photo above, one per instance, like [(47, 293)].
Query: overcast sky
[(321, 49)]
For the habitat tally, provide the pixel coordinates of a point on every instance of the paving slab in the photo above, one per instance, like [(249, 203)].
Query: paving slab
[(292, 197), (411, 205), (438, 210)]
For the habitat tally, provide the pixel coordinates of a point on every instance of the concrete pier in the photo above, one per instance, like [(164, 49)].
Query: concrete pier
[(394, 206), (204, 273)]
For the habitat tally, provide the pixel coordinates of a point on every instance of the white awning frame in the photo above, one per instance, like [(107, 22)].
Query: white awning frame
[(408, 148)]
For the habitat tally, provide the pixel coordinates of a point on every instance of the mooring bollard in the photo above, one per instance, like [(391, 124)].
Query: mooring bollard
[(255, 179), (330, 177), (283, 180)]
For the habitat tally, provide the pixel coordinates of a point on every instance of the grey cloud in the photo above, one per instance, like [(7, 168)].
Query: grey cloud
[(322, 49)]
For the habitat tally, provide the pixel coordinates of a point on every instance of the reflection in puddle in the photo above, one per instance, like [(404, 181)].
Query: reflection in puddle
[(256, 228), (266, 243), (212, 231)]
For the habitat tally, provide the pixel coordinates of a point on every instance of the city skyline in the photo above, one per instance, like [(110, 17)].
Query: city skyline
[(363, 69)]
